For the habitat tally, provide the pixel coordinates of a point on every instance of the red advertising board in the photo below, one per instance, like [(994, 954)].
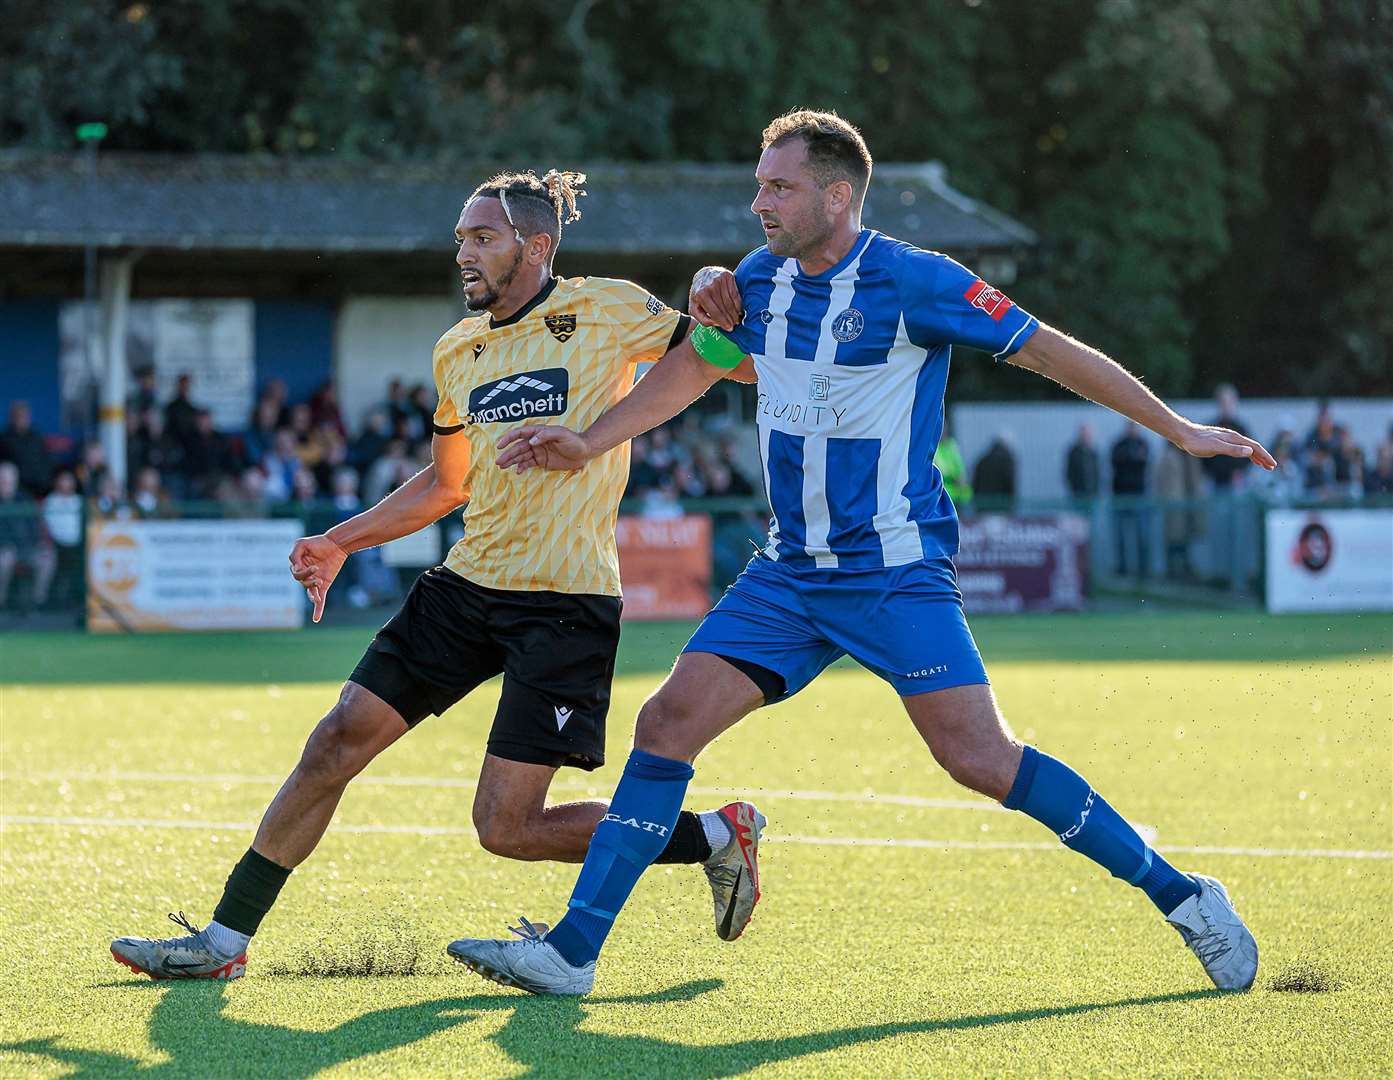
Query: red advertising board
[(1023, 562), (665, 566)]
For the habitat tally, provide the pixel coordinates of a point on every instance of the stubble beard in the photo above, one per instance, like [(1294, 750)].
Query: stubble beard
[(483, 303)]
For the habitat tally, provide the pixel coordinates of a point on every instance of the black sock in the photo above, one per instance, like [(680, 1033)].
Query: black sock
[(687, 844), (251, 889)]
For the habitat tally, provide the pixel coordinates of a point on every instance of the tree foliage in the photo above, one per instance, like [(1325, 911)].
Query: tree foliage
[(1212, 179)]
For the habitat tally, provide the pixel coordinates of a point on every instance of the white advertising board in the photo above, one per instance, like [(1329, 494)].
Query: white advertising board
[(213, 341), (1330, 560), (192, 575)]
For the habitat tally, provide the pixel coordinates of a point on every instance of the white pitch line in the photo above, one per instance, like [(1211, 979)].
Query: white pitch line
[(816, 841), (462, 782), (870, 798), (1023, 845)]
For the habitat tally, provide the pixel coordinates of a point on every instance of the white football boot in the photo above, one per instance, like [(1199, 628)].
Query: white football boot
[(1216, 934), (529, 963)]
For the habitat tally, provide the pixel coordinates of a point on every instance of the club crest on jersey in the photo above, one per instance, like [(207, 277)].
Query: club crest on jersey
[(848, 324), (561, 326), (520, 397), (478, 349), (983, 297)]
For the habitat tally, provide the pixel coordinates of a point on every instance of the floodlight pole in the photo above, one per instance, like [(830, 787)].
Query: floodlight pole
[(90, 136)]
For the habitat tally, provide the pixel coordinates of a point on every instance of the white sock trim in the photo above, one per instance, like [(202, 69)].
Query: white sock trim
[(225, 941), (716, 828)]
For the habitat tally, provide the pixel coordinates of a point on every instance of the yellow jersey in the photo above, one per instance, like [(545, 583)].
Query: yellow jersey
[(564, 358)]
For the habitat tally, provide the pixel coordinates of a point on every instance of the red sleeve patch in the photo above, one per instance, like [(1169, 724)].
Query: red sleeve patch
[(984, 297)]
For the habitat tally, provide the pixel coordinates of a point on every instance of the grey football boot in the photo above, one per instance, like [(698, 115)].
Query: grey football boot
[(733, 871), (177, 958)]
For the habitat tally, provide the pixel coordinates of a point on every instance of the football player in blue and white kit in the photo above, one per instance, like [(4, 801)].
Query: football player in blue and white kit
[(849, 332)]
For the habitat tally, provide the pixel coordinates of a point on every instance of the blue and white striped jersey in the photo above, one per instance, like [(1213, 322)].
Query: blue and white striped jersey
[(852, 365)]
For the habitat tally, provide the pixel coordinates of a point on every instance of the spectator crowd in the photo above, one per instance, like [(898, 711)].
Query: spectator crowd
[(300, 458), (1323, 464)]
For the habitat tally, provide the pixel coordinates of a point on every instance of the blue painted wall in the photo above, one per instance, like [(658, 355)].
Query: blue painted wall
[(295, 342), (29, 360)]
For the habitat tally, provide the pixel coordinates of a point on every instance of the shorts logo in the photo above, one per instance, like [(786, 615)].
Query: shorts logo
[(766, 316), (561, 326), (563, 713), (818, 386), (520, 397), (655, 306), (847, 326), (983, 297)]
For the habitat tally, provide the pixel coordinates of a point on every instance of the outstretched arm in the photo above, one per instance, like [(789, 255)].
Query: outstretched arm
[(672, 384), (428, 496), (1092, 375)]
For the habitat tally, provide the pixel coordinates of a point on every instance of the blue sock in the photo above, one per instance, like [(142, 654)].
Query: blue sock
[(1062, 800), (634, 832)]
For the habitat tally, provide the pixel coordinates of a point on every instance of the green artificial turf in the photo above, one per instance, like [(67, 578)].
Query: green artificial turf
[(966, 951)]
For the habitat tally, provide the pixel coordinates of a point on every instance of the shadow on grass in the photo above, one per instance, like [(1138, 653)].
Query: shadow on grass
[(544, 1035)]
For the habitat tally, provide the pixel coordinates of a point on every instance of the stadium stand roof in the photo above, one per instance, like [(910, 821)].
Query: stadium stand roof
[(248, 204)]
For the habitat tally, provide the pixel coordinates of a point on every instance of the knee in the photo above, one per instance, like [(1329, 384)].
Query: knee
[(663, 725), (500, 834), (987, 767), (335, 752)]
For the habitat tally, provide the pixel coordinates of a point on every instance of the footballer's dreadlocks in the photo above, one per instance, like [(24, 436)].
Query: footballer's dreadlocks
[(535, 205)]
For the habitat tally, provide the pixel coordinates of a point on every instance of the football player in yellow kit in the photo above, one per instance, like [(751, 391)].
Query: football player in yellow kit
[(531, 591)]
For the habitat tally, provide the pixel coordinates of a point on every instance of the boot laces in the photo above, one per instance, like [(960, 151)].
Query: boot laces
[(1209, 944), (195, 940), (530, 931)]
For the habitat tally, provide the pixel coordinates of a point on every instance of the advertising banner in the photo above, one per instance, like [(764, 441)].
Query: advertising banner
[(192, 575), (665, 566), (1330, 560), (1020, 562)]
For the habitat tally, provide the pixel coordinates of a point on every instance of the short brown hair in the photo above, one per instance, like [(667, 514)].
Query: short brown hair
[(836, 150)]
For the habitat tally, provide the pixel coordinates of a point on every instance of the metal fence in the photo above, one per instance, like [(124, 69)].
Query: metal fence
[(1194, 550)]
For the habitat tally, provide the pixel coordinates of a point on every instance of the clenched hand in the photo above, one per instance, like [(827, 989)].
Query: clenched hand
[(314, 562)]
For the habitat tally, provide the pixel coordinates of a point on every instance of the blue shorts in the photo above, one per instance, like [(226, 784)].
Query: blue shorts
[(905, 623)]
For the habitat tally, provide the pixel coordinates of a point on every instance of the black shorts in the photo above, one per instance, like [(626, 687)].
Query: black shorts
[(555, 652)]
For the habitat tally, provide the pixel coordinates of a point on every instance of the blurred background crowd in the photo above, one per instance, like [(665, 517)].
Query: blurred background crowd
[(305, 459)]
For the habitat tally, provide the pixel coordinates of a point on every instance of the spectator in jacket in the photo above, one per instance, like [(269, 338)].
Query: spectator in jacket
[(1129, 460), (1180, 483), (1082, 468), (22, 541), (24, 447), (994, 475), (1227, 473)]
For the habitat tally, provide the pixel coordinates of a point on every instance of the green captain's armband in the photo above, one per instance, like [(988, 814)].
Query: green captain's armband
[(715, 348)]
